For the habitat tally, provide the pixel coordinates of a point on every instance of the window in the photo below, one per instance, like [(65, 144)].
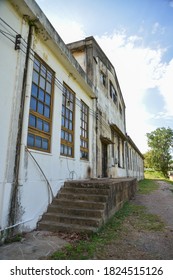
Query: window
[(103, 78), (40, 115), (113, 93), (67, 122), (120, 109), (84, 149)]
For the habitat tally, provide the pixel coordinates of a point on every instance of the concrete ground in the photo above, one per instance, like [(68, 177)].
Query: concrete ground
[(33, 246)]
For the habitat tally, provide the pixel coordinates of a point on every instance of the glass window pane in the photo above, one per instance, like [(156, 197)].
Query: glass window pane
[(47, 99), (70, 125), (42, 82), (46, 127), (71, 116), (62, 149), (35, 77), (39, 124), (65, 150), (32, 120), (36, 65), (43, 70), (41, 95), (48, 87), (46, 111), (70, 137), (33, 104), (66, 123), (40, 108), (38, 141), (34, 90), (45, 144), (30, 140), (62, 134), (49, 76), (69, 151), (62, 121), (63, 110)]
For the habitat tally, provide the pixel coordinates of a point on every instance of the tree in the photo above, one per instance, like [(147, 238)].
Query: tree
[(161, 142)]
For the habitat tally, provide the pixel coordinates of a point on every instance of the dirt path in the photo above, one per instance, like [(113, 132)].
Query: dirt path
[(138, 244)]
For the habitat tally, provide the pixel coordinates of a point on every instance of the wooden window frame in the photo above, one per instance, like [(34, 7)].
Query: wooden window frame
[(84, 130), (41, 97), (68, 119)]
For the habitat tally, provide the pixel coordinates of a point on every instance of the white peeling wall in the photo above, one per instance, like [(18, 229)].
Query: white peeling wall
[(35, 194), (11, 73)]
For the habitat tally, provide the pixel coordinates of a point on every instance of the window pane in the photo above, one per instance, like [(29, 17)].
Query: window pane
[(63, 110), (69, 151), (33, 104), (35, 77), (42, 82), (48, 87), (36, 65), (46, 111), (70, 125), (30, 141), (49, 76), (45, 144), (65, 150), (46, 127), (62, 149), (43, 71), (38, 142), (62, 134), (40, 108), (32, 121), (41, 95), (34, 90), (66, 123), (47, 99), (39, 124), (62, 121), (70, 137)]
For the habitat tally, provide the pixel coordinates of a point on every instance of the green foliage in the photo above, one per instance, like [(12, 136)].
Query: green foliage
[(152, 174), (161, 142)]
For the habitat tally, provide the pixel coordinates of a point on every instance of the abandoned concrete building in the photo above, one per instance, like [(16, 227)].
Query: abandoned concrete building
[(64, 119)]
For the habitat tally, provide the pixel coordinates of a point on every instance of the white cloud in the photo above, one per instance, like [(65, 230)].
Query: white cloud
[(165, 86), (138, 69), (157, 28)]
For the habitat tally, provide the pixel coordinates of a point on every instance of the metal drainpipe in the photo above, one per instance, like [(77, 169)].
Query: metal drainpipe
[(14, 196)]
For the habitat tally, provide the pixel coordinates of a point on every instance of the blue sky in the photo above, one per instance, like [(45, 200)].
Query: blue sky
[(137, 36)]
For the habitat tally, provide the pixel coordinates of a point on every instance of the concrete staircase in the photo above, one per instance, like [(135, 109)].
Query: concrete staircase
[(80, 206)]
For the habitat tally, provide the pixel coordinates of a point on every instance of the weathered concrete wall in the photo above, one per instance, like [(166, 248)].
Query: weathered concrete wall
[(120, 192)]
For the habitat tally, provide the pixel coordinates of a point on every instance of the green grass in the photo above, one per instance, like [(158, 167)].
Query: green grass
[(147, 186)]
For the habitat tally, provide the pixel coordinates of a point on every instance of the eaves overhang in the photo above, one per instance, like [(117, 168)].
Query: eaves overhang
[(118, 131)]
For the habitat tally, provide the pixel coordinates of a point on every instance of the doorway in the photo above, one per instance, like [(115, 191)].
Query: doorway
[(104, 160)]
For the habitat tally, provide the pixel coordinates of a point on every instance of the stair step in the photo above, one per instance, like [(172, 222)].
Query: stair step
[(61, 218), (53, 208), (94, 184), (83, 197), (65, 228), (79, 204), (85, 190)]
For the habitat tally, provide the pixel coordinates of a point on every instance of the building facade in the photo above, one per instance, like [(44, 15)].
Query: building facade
[(57, 121)]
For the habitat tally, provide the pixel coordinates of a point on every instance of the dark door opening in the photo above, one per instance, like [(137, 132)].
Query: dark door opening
[(104, 160)]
